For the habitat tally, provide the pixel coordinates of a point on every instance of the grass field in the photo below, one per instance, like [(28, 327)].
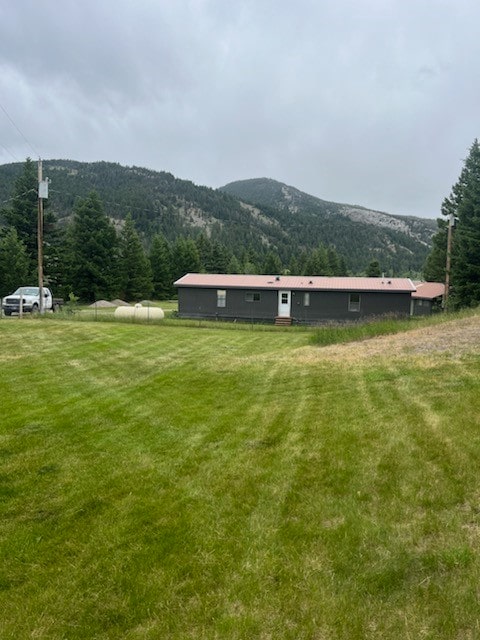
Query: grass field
[(184, 482)]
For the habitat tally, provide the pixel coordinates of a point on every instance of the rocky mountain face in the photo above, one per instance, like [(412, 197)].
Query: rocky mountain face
[(352, 229)]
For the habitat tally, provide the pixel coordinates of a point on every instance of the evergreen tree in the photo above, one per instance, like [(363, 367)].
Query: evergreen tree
[(464, 203), (68, 263), (204, 247), (272, 265), (219, 259), (333, 260), (373, 269), (185, 258), (249, 262), (293, 266), (301, 261), (342, 267), (435, 264), (135, 270), (161, 265), (23, 213), (55, 254), (249, 268), (95, 251), (14, 264), (317, 263), (234, 265)]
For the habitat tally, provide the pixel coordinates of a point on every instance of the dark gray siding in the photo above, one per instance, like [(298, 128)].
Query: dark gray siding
[(200, 302), (333, 305), (422, 307)]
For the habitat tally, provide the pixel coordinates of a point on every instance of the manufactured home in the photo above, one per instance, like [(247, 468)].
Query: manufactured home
[(291, 299)]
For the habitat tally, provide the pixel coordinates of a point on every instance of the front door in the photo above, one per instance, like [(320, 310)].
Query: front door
[(284, 303)]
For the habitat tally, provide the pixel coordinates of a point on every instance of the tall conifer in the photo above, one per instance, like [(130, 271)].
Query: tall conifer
[(135, 270), (95, 251), (465, 201)]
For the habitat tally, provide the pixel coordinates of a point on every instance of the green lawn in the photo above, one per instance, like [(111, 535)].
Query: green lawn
[(184, 482)]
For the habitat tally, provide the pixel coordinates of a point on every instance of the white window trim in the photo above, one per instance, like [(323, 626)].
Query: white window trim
[(354, 306)]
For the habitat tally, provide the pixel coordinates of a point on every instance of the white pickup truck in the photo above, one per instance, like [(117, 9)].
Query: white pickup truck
[(29, 299)]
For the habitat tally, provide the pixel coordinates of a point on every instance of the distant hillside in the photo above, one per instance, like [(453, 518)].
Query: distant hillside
[(400, 242), (158, 202), (255, 214)]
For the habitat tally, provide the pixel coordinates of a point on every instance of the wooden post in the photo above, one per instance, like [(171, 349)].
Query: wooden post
[(40, 241), (451, 221)]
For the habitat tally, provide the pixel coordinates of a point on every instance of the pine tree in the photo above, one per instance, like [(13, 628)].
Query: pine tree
[(23, 212), (373, 269), (55, 258), (219, 259), (134, 266), (272, 264), (161, 265), (95, 251), (234, 265), (317, 263), (293, 267), (204, 247), (249, 261), (465, 204), (333, 260), (14, 264), (435, 264), (342, 267), (185, 258)]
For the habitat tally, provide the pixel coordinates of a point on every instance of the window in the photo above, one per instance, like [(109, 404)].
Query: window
[(221, 298), (306, 299), (354, 302), (252, 296)]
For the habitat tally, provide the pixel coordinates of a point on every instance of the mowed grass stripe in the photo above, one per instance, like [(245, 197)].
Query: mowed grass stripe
[(106, 412), (234, 492)]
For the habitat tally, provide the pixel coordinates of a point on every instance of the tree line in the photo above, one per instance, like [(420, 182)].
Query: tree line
[(93, 258), (461, 218)]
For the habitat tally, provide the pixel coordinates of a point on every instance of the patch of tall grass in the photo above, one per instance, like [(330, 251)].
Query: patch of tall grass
[(337, 333)]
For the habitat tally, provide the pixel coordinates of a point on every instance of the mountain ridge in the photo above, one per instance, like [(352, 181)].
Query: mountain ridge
[(353, 211), (273, 216), (266, 192)]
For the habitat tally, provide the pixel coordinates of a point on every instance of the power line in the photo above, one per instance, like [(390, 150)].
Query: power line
[(19, 196), (9, 152), (19, 131)]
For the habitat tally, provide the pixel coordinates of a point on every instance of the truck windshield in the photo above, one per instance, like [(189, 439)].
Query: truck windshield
[(27, 291)]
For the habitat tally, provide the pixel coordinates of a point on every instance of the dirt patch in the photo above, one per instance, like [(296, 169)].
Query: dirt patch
[(102, 304), (453, 338)]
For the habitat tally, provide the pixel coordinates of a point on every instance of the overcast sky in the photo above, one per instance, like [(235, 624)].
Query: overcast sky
[(369, 102)]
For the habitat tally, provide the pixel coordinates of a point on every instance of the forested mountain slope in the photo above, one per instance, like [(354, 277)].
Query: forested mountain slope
[(400, 242), (253, 215)]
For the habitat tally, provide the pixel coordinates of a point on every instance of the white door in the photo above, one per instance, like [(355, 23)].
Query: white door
[(284, 303)]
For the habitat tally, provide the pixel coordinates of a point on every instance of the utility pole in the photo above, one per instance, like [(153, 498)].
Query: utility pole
[(451, 222), (40, 237)]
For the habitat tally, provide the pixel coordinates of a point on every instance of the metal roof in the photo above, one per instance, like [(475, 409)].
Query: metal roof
[(429, 290), (307, 283)]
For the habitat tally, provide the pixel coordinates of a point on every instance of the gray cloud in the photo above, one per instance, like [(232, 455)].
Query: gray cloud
[(373, 102)]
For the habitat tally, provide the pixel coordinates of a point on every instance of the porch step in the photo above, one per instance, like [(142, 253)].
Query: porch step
[(283, 321)]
